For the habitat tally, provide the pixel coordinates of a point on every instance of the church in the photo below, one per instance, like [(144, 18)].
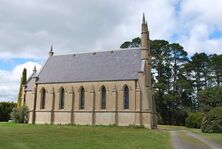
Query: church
[(98, 88)]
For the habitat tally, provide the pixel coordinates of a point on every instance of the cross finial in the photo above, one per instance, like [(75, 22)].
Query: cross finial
[(51, 51), (34, 70)]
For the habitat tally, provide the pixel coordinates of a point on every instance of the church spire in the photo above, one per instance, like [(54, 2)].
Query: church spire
[(34, 74), (144, 40), (51, 51), (143, 19)]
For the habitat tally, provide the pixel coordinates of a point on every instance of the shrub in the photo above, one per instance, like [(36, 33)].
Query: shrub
[(20, 114), (5, 110), (212, 122), (194, 120)]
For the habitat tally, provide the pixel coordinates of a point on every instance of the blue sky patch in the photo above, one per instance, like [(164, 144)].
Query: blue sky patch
[(8, 64), (216, 34)]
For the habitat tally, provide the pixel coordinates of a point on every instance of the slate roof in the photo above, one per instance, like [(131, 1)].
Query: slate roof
[(86, 67), (29, 85)]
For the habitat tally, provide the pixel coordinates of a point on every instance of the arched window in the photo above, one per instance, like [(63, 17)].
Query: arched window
[(61, 98), (103, 97), (43, 95), (126, 97), (82, 98)]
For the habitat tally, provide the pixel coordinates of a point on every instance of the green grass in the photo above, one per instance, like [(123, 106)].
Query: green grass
[(24, 136)]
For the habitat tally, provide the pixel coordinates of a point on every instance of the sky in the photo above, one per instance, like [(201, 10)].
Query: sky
[(29, 27)]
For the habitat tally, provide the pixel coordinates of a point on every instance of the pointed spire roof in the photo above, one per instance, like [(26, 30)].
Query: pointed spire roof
[(144, 19), (51, 50), (147, 26), (144, 25)]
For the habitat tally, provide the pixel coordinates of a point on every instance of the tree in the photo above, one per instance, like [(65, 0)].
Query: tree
[(131, 44), (200, 74), (160, 52), (177, 80), (167, 63), (22, 82), (179, 84), (20, 114), (200, 70), (216, 68), (5, 110), (210, 98), (126, 44), (178, 57)]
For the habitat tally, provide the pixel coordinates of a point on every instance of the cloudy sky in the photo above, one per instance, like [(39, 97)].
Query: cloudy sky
[(29, 27)]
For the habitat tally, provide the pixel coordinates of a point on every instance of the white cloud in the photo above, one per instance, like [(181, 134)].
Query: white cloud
[(31, 26), (198, 19), (28, 29), (9, 80)]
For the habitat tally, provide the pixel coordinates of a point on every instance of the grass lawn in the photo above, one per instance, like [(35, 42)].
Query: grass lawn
[(24, 136)]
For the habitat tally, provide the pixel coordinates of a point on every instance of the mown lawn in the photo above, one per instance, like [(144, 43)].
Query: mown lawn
[(24, 136)]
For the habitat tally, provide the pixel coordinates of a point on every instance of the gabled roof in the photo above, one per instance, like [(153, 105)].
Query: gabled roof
[(86, 67), (30, 84)]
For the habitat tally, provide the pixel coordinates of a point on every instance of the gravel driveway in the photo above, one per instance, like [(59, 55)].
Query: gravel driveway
[(184, 139)]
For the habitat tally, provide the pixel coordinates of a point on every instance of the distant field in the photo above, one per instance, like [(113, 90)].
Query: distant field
[(23, 136)]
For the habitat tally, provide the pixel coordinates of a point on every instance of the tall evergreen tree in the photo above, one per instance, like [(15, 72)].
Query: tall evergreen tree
[(200, 67), (216, 68), (22, 82), (177, 80), (178, 58)]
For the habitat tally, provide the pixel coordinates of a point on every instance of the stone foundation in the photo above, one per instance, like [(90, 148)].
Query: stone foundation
[(98, 118)]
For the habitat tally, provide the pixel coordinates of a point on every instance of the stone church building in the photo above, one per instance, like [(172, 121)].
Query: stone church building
[(99, 88)]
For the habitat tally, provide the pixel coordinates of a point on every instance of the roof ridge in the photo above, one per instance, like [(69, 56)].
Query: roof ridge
[(92, 52)]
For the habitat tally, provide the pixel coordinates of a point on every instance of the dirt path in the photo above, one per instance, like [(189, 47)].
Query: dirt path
[(184, 139), (210, 143)]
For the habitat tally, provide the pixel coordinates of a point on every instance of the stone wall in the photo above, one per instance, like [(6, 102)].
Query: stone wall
[(92, 113)]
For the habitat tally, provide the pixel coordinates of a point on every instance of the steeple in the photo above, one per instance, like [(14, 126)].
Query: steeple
[(143, 19), (34, 74), (51, 51), (147, 102), (144, 40), (34, 70)]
